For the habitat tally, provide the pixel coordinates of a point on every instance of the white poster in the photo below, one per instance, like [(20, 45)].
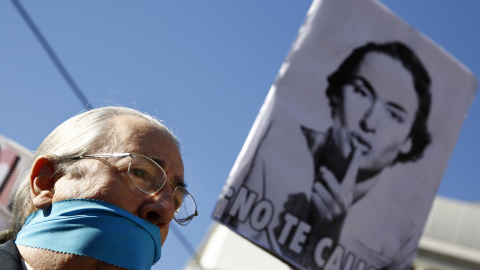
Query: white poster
[(345, 157)]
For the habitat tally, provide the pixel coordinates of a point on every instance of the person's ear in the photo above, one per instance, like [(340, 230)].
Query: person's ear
[(42, 182), (407, 146)]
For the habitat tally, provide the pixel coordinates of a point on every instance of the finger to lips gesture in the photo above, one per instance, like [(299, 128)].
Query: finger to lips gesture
[(331, 197)]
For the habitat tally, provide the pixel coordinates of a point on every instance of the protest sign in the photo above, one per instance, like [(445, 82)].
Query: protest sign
[(341, 166)]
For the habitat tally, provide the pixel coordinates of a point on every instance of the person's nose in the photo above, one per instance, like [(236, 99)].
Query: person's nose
[(159, 209), (369, 120)]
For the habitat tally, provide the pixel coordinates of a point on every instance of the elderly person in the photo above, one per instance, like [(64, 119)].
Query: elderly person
[(100, 194)]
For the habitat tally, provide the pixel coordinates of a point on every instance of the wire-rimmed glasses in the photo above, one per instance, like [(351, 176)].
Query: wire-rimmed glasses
[(148, 176)]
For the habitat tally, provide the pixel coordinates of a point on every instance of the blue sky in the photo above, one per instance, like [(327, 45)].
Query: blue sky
[(204, 67)]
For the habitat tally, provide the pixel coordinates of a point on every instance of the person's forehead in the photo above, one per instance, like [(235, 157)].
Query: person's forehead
[(389, 79), (139, 136)]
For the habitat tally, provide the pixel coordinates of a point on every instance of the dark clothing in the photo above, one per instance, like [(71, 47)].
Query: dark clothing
[(10, 257)]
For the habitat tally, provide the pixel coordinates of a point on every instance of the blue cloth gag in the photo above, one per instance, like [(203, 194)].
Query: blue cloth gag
[(95, 229)]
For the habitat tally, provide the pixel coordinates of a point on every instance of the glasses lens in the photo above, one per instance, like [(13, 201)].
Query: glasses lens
[(146, 175), (186, 206)]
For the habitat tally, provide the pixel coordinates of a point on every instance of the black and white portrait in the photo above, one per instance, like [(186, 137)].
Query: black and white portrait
[(380, 100)]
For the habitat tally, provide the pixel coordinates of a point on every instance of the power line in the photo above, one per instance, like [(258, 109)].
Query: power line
[(78, 92)]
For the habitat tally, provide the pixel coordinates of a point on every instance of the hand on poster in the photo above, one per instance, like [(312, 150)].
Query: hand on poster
[(331, 197)]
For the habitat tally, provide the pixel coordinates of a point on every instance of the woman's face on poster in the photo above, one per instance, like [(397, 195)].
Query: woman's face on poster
[(376, 111)]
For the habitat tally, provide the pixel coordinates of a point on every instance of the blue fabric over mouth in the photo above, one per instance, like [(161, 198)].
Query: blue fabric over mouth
[(96, 229)]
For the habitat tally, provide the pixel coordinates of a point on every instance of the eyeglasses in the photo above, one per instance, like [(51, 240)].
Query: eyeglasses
[(148, 176)]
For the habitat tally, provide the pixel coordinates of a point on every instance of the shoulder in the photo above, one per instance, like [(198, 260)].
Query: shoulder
[(9, 256)]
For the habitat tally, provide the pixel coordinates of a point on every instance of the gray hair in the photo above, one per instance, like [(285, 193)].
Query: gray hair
[(82, 134)]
